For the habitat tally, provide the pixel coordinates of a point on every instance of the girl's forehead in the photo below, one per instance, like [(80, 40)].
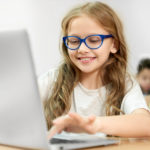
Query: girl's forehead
[(85, 25)]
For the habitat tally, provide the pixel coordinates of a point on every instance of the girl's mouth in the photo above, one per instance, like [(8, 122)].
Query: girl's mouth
[(86, 60)]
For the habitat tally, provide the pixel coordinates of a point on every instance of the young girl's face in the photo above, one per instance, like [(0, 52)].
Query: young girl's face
[(144, 79), (88, 60)]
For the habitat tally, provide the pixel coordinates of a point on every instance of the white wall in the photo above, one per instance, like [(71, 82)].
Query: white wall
[(42, 19)]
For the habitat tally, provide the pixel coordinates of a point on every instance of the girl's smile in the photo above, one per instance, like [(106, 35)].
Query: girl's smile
[(86, 60)]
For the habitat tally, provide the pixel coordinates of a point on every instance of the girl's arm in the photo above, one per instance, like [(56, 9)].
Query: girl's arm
[(132, 125)]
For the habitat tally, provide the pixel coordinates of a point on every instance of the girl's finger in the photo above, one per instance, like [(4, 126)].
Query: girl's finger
[(75, 117), (91, 118), (54, 130)]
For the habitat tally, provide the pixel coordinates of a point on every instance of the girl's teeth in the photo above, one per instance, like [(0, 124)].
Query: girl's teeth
[(85, 58)]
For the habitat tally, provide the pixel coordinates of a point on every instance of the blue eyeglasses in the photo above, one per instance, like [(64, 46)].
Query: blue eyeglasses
[(92, 41)]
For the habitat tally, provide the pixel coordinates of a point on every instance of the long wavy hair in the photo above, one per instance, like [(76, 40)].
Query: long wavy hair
[(114, 70)]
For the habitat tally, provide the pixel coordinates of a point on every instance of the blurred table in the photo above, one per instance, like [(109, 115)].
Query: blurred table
[(127, 144), (124, 144)]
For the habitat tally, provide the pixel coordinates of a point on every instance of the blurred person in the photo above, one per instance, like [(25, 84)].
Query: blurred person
[(143, 77)]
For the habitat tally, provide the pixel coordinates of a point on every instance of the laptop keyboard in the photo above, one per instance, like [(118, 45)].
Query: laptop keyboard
[(61, 141)]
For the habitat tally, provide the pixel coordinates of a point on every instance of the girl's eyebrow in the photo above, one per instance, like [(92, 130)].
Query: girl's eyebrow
[(74, 35), (82, 36)]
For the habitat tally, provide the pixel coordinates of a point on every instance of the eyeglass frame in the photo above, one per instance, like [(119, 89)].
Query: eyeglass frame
[(84, 40)]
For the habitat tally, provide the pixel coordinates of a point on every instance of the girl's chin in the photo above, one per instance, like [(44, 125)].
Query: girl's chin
[(88, 70), (85, 70)]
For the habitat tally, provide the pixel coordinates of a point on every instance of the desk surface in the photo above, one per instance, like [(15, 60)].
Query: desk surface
[(124, 144)]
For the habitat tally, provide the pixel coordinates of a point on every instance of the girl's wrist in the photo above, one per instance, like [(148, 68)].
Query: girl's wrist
[(98, 125)]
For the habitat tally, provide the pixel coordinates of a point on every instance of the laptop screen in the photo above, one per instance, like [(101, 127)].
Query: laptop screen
[(21, 115)]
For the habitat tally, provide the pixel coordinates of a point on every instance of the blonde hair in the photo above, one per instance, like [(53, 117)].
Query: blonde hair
[(114, 69)]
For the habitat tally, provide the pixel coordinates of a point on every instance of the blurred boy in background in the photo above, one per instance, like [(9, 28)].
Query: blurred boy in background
[(143, 77)]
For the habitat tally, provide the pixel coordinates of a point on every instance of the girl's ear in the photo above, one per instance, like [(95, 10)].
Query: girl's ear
[(113, 48)]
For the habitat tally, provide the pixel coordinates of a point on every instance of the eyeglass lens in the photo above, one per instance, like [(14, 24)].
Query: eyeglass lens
[(91, 41)]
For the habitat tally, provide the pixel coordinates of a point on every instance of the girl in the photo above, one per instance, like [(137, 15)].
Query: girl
[(91, 90)]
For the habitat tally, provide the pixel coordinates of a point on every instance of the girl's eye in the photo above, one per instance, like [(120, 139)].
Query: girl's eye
[(73, 41), (94, 39)]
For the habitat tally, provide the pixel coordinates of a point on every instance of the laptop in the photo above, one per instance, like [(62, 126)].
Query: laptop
[(22, 121)]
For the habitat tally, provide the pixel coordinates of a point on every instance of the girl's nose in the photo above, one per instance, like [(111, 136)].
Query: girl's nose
[(83, 48)]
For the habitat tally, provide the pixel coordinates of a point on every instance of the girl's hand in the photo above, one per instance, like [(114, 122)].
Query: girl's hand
[(73, 123)]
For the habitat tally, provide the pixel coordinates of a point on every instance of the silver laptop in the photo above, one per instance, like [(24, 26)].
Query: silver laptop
[(22, 121)]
